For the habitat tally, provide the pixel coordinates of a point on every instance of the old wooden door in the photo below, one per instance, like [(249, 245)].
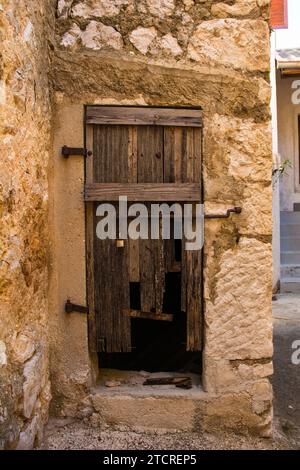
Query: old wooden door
[(148, 155)]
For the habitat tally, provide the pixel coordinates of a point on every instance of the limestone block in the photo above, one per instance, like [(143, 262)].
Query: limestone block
[(146, 412), (234, 411), (188, 4), (244, 147), (262, 394), (238, 9), (241, 44), (98, 8), (170, 45), (28, 32), (256, 217), (239, 318), (160, 8), (27, 436), (70, 38), (142, 38), (222, 375), (23, 348), (33, 432), (3, 357), (35, 374), (97, 36), (63, 8)]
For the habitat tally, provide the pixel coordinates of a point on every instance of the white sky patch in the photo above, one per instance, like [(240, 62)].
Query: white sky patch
[(290, 38)]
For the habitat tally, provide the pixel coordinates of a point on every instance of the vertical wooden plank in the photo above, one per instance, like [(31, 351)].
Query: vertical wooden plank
[(132, 155), (133, 245), (197, 148), (193, 300), (192, 260), (178, 135), (159, 273), (92, 327), (150, 154), (110, 164), (169, 177), (151, 169)]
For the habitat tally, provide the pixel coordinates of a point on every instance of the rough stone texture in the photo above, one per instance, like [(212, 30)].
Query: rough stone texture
[(151, 52), (239, 9), (225, 42), (206, 32), (25, 142), (213, 54), (141, 38)]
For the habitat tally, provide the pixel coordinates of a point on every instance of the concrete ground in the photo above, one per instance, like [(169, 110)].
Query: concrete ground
[(286, 379), (286, 382)]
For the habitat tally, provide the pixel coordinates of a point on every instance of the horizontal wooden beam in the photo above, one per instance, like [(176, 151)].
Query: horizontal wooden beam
[(148, 315), (143, 116), (143, 192)]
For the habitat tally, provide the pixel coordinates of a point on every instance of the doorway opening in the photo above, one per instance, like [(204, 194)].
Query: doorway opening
[(145, 295), (157, 346)]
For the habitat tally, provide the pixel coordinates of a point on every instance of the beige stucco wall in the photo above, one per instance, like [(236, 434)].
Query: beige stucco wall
[(276, 163), (103, 56), (288, 142), (26, 31)]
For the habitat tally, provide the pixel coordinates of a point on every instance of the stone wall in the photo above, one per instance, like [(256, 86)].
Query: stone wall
[(190, 53), (25, 142), (148, 52)]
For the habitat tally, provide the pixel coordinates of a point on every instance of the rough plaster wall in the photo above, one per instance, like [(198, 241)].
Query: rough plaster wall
[(25, 141), (213, 54)]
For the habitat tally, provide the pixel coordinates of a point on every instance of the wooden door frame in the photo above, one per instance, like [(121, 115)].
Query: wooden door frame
[(88, 172)]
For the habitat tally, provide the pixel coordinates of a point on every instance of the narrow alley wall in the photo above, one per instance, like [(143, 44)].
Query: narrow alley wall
[(25, 140)]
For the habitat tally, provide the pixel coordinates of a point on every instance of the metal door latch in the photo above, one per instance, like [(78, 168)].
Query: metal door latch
[(67, 151), (69, 308), (234, 210)]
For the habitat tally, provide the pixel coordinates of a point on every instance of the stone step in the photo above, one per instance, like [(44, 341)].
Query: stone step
[(290, 270), (290, 257), (290, 230), (290, 244), (290, 285), (289, 218)]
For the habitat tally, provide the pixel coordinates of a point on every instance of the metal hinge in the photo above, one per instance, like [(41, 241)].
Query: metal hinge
[(67, 151), (70, 307), (234, 210)]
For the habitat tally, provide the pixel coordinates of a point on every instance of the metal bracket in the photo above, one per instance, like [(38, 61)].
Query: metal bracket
[(234, 210), (69, 308), (67, 151)]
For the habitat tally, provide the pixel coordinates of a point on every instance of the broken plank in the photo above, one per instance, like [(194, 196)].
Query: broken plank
[(148, 315)]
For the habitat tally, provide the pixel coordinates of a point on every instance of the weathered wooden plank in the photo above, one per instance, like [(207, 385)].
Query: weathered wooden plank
[(160, 271), (148, 315), (132, 155), (183, 276), (112, 296), (143, 192), (150, 173), (133, 248), (172, 160), (143, 116), (193, 300), (92, 330), (111, 150), (191, 297), (111, 281)]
